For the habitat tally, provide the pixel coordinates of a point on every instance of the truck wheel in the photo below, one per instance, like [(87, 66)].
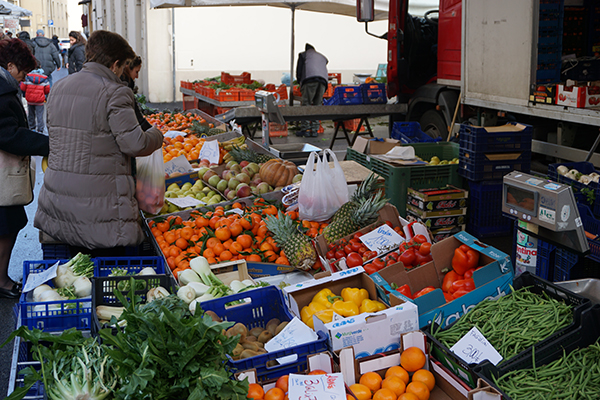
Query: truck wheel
[(433, 124)]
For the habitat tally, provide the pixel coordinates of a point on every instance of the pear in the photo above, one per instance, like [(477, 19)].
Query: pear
[(233, 183), (172, 208), (186, 186), (214, 180), (222, 185), (173, 187)]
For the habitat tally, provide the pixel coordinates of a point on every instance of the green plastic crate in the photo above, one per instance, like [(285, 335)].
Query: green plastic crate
[(399, 179)]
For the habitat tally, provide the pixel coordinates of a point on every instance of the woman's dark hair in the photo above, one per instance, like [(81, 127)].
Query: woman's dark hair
[(79, 39), (135, 62), (16, 51), (106, 48)]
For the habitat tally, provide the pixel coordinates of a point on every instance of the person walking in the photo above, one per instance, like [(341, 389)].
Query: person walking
[(46, 54), (24, 36), (76, 52), (311, 74), (88, 197), (36, 87), (17, 145)]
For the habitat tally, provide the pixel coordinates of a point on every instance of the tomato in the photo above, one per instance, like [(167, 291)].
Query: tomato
[(362, 250), (348, 249), (419, 239), (405, 290), (378, 263), (393, 255), (389, 223), (370, 254), (425, 248), (390, 261), (420, 259), (356, 246), (354, 260), (423, 291), (330, 255), (352, 241), (331, 246), (339, 254), (370, 268), (408, 257), (357, 235)]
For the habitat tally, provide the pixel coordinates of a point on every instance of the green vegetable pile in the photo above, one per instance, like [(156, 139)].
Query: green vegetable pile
[(164, 352), (573, 376), (512, 323)]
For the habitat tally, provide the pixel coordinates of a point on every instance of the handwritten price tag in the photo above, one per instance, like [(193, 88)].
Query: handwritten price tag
[(315, 387), (35, 280), (381, 239), (178, 165), (210, 151), (185, 202), (474, 348)]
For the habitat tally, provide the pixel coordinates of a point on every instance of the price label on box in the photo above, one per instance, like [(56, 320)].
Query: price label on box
[(473, 348), (382, 239), (304, 387)]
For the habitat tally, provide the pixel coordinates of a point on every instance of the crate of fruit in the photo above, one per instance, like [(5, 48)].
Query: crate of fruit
[(261, 313)]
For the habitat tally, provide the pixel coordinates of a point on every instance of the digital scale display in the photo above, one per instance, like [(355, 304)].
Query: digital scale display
[(521, 199)]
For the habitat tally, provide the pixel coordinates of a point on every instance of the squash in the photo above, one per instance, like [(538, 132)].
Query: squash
[(278, 172)]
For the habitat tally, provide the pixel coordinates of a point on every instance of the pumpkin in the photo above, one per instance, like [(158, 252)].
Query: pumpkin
[(278, 172)]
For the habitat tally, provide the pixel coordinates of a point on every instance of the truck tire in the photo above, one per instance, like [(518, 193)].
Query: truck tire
[(433, 124)]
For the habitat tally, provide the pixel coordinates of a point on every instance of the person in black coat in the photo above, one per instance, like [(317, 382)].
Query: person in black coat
[(17, 144), (24, 36), (130, 74), (76, 52)]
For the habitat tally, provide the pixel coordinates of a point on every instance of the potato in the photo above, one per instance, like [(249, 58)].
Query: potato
[(272, 325), (280, 327), (214, 316), (256, 331), (265, 337), (249, 353), (250, 346)]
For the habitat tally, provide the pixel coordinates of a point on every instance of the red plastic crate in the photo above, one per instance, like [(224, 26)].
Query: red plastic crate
[(245, 94), (282, 90), (335, 78), (227, 95), (352, 124), (278, 129), (229, 79)]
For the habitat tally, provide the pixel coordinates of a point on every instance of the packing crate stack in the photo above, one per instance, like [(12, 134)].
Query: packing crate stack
[(487, 154)]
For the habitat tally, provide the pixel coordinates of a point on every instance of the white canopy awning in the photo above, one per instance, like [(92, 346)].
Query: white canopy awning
[(9, 9)]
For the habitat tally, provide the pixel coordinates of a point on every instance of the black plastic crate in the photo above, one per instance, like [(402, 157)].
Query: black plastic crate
[(587, 333), (476, 168), (481, 139), (536, 285), (584, 194), (569, 266)]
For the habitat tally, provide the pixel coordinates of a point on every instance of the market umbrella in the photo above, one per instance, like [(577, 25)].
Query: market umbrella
[(338, 7), (7, 8)]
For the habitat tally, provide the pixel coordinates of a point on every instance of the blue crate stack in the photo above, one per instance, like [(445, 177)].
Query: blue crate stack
[(410, 132), (550, 36), (485, 156)]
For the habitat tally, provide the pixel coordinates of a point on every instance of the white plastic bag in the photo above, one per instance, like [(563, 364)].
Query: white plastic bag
[(323, 190), (150, 182)]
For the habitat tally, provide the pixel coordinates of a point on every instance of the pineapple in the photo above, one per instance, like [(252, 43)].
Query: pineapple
[(363, 215), (297, 247), (240, 154), (366, 189)]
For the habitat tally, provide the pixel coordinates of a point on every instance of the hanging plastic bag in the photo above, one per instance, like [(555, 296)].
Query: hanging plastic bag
[(150, 182), (323, 189)]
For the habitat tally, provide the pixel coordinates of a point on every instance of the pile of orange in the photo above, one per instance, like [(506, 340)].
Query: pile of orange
[(189, 146), (310, 228), (166, 121), (279, 392), (397, 383)]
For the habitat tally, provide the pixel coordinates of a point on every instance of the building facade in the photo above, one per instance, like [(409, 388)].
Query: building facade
[(48, 15)]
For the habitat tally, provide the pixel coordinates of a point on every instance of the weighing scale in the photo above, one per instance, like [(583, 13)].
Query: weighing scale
[(544, 209), (270, 112)]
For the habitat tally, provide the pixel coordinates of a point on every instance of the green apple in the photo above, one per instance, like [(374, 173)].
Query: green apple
[(169, 194)]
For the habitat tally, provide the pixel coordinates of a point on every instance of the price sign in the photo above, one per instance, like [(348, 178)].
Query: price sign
[(235, 211), (178, 165), (474, 348), (185, 202), (35, 280), (210, 151), (381, 239), (315, 387)]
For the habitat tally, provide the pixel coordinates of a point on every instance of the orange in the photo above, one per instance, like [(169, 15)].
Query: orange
[(317, 372), (412, 359), (361, 391), (182, 243), (275, 394), (282, 382), (225, 255), (426, 377), (270, 256), (187, 233), (419, 389), (372, 380), (235, 248), (223, 233), (218, 249), (384, 394), (395, 384), (408, 396), (244, 240), (254, 258), (399, 372), (255, 391)]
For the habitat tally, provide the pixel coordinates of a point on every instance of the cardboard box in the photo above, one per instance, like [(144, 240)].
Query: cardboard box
[(544, 94), (446, 198), (580, 96), (492, 281), (440, 234), (438, 219), (369, 333)]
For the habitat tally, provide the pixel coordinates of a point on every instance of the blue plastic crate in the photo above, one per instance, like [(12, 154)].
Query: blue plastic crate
[(584, 194), (482, 139), (265, 304), (55, 251), (345, 95), (373, 93), (479, 167), (485, 210), (545, 260), (22, 359), (44, 315), (133, 265), (410, 132)]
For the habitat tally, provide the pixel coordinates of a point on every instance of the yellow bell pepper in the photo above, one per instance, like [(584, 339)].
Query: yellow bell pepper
[(307, 312), (325, 297), (345, 308), (369, 306), (326, 315), (355, 295)]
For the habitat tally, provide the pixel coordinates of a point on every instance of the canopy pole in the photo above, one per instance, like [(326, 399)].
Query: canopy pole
[(174, 66), (293, 8)]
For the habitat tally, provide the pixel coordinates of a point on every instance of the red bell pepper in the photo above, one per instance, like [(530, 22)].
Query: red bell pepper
[(448, 297), (464, 284), (449, 279), (469, 273), (405, 290), (464, 259), (423, 291), (459, 293)]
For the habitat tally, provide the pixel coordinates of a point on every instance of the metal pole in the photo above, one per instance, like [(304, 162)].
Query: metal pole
[(293, 7), (173, 47)]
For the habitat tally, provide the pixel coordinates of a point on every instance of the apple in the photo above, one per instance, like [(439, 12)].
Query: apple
[(254, 190), (226, 191), (230, 164), (297, 178), (256, 181), (243, 190), (222, 185), (228, 174), (207, 174), (242, 177), (233, 183), (214, 180), (253, 167), (204, 163), (236, 168), (214, 165), (263, 188), (247, 171), (243, 163), (231, 195)]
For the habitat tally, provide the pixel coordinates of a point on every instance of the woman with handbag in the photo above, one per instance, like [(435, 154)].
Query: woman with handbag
[(88, 197), (17, 144)]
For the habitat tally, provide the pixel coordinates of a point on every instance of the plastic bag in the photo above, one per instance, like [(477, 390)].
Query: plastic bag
[(323, 190), (150, 182)]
